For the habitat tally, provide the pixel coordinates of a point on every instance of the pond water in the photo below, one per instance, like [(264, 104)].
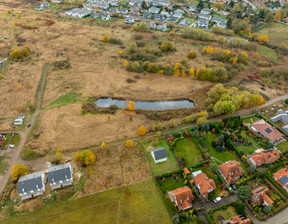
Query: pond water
[(146, 105)]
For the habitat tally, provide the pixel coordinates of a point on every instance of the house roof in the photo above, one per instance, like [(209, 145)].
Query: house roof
[(186, 170), (184, 197), (265, 156), (30, 182), (203, 183), (239, 219), (261, 195), (231, 170), (282, 177), (160, 153), (59, 173), (267, 130)]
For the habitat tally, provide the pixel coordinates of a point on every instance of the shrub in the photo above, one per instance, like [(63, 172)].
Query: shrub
[(106, 39), (286, 101), (85, 157), (132, 48), (116, 41), (19, 170), (138, 37), (141, 131), (167, 46), (18, 53), (128, 144), (141, 27), (191, 55), (240, 208), (113, 107), (129, 80)]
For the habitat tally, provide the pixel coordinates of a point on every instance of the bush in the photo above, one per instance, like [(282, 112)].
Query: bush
[(191, 55), (132, 48), (138, 37), (167, 46), (129, 80), (240, 208), (113, 107), (18, 53), (286, 101), (116, 41)]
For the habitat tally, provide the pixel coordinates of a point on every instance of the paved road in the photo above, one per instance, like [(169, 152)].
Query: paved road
[(252, 5)]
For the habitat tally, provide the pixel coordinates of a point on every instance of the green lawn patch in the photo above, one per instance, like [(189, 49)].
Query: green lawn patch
[(248, 150), (282, 147), (160, 168), (15, 140), (225, 214), (170, 184), (65, 99), (188, 150), (139, 203), (267, 52), (251, 120), (3, 164)]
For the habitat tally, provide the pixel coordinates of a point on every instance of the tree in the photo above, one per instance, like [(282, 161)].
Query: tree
[(77, 156), (58, 157), (131, 105), (244, 192), (103, 145), (141, 131), (214, 168), (85, 157), (106, 39), (277, 15), (191, 72), (251, 169), (240, 208), (132, 47), (128, 144), (167, 46), (191, 55), (267, 209), (19, 170), (218, 5), (201, 120)]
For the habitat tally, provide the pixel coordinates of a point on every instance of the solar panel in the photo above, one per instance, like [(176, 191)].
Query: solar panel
[(262, 189), (268, 130), (284, 180)]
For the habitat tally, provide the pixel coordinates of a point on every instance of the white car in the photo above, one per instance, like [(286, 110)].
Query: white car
[(11, 146), (217, 199)]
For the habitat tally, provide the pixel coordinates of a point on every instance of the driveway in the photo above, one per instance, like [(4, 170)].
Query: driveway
[(252, 5)]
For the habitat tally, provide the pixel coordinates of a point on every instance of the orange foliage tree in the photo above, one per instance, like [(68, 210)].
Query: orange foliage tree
[(131, 105), (106, 39), (19, 170), (277, 15), (141, 130), (128, 144), (85, 157)]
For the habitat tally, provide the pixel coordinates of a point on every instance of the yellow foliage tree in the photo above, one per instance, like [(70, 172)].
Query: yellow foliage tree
[(262, 39), (204, 67), (191, 72), (204, 49), (106, 39), (197, 72), (120, 52), (128, 144), (278, 15), (220, 64), (77, 156), (103, 145), (234, 60), (125, 63), (58, 157), (19, 170), (141, 131), (131, 105), (90, 158), (177, 65)]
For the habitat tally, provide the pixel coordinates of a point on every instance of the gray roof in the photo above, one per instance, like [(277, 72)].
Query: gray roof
[(59, 173), (280, 117), (160, 153), (30, 182)]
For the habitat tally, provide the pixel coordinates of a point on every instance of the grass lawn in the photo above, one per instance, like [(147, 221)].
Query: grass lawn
[(15, 141), (267, 52), (282, 147), (158, 169), (139, 203), (187, 149), (250, 120), (226, 214), (170, 184), (3, 164), (248, 150), (65, 99), (222, 156)]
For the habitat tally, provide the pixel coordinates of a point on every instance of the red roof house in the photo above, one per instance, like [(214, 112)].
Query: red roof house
[(268, 131), (182, 197), (231, 171), (261, 196), (2, 141), (239, 219), (186, 171), (281, 176), (203, 183), (264, 156)]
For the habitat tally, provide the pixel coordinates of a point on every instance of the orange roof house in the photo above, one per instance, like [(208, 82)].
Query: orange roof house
[(268, 131), (182, 197), (203, 183), (264, 156), (2, 141), (281, 176), (261, 196), (231, 171), (186, 171), (239, 219)]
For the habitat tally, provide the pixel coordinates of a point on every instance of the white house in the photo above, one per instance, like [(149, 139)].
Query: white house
[(159, 155)]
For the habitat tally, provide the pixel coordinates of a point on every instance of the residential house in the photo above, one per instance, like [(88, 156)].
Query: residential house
[(186, 170), (267, 130), (203, 184), (178, 15), (261, 196), (162, 28), (152, 26), (184, 22), (283, 117), (204, 16), (146, 15), (31, 185), (123, 11), (104, 17), (203, 23), (113, 10), (160, 3), (231, 171), (180, 11), (239, 219), (281, 176), (76, 12), (173, 19), (38, 8), (182, 197), (129, 20), (193, 9), (94, 15), (159, 155), (19, 120), (135, 2), (164, 13), (135, 13), (159, 17), (45, 5), (206, 11), (60, 176), (154, 10), (2, 140), (220, 22), (262, 156)]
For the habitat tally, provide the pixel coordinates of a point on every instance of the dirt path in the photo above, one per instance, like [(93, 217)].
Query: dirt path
[(15, 154)]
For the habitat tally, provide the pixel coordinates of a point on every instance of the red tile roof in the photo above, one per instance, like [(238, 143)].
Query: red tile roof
[(265, 156), (239, 219), (283, 175), (203, 183), (2, 140), (186, 170), (231, 170), (267, 130), (184, 197), (261, 195)]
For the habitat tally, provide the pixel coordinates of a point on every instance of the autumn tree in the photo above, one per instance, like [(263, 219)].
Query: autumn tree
[(85, 157), (77, 156), (191, 72), (58, 157), (277, 15), (141, 130), (167, 46), (191, 55), (103, 145), (202, 117), (128, 144), (131, 105), (218, 5), (106, 39), (19, 170), (132, 47), (262, 39)]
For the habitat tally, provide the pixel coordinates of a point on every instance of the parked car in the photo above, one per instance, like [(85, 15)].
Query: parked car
[(217, 199), (29, 125), (11, 146), (233, 186)]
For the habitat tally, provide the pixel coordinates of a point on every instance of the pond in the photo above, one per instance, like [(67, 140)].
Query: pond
[(146, 105)]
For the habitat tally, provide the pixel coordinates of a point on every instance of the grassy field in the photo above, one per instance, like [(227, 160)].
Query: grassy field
[(277, 33), (267, 52), (248, 150), (226, 214), (222, 156), (140, 203), (3, 164), (158, 169), (250, 120), (187, 149), (15, 141), (65, 99), (171, 184), (282, 147)]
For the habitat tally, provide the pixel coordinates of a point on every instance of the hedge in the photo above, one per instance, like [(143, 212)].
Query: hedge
[(247, 179), (171, 173), (199, 164), (277, 185), (221, 207), (198, 145), (223, 181), (209, 218), (276, 166), (194, 190)]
